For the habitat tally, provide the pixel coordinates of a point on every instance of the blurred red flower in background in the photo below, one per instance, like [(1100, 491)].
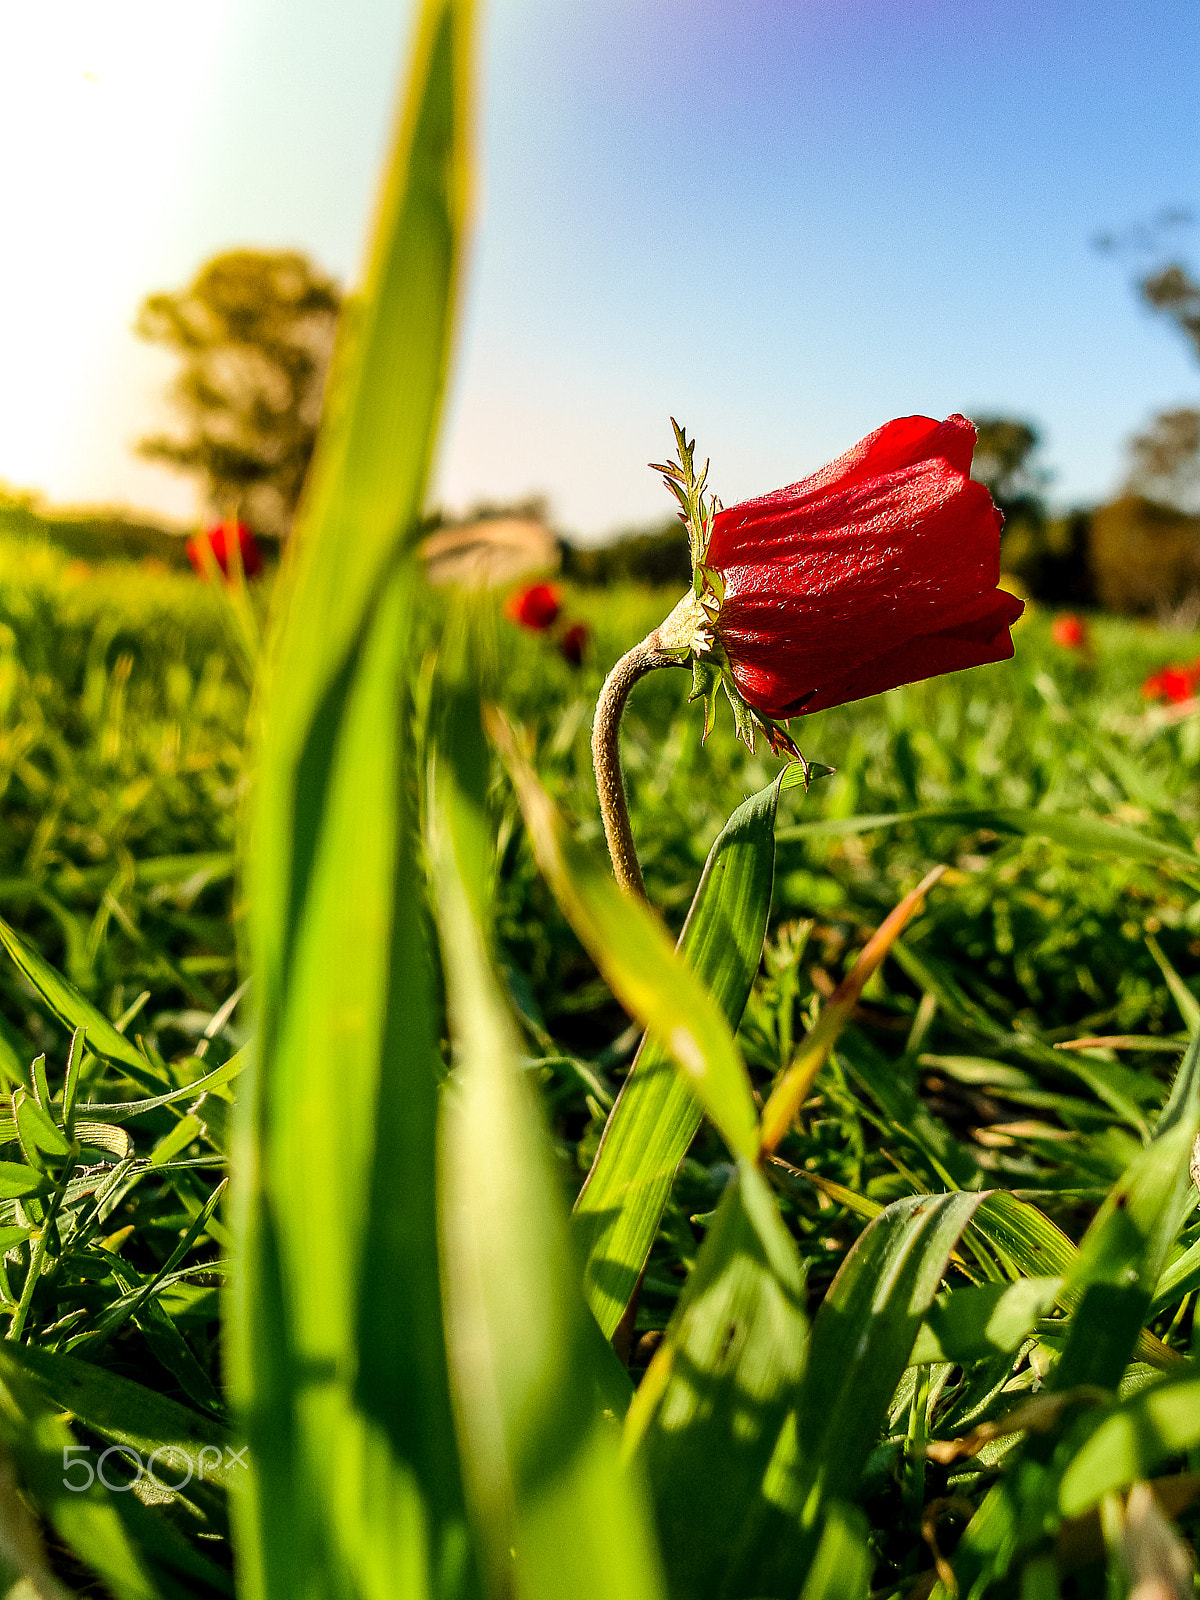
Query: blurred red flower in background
[(1070, 631), (536, 607), (1175, 684), (220, 540), (880, 569), (574, 643)]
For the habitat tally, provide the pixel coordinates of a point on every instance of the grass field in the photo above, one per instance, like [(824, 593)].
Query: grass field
[(123, 712)]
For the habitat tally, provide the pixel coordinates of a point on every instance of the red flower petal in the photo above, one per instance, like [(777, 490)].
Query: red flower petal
[(889, 555), (574, 643), (536, 607), (220, 541)]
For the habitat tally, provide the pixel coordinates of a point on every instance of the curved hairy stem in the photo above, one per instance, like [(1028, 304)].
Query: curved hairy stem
[(606, 755)]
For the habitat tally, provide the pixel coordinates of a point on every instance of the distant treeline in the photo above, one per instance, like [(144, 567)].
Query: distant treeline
[(658, 558), (95, 536), (1132, 555)]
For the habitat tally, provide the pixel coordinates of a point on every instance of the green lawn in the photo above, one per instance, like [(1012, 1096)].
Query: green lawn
[(123, 713)]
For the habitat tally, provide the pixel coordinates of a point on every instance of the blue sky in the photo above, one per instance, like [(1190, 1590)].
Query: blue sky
[(783, 223)]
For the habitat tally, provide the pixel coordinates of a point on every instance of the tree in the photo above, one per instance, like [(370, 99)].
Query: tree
[(254, 332), (1003, 448), (1173, 291), (1166, 460)]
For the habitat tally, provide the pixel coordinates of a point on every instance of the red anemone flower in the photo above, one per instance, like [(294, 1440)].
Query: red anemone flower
[(1175, 684), (880, 569), (220, 541), (1070, 631), (574, 642), (536, 607)]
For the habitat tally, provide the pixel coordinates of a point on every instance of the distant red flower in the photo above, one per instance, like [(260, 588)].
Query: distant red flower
[(536, 607), (574, 643), (1070, 631), (1175, 684), (220, 541), (878, 570)]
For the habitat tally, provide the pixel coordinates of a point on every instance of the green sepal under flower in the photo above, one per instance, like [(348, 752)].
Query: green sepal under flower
[(692, 628)]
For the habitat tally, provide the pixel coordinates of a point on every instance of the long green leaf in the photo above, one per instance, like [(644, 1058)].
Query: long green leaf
[(559, 1513), (82, 1512), (634, 953), (70, 1007), (864, 1334), (719, 1393), (656, 1114), (337, 1360), (129, 1413), (1132, 1441), (1122, 1255), (1088, 835)]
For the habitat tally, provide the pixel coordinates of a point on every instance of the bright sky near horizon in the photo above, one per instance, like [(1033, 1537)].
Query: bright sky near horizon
[(782, 220)]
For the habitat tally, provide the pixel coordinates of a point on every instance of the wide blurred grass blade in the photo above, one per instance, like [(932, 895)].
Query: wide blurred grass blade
[(558, 1513), (656, 1114), (841, 1569), (336, 1354), (637, 960), (719, 1393)]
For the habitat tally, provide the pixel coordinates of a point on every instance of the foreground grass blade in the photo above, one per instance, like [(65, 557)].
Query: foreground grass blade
[(638, 962), (656, 1114), (719, 1393), (558, 1512), (336, 1355)]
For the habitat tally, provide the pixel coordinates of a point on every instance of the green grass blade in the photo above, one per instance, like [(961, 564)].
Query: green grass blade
[(1132, 1441), (559, 1513), (638, 961), (84, 1514), (70, 1007), (1087, 835), (717, 1398), (1122, 1255), (128, 1413), (1110, 1283), (358, 1489), (985, 1320), (841, 1568), (864, 1334), (656, 1114)]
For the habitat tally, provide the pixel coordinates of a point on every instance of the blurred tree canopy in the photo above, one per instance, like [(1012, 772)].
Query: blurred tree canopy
[(1145, 546), (254, 333), (1173, 291), (1165, 459), (1050, 557), (1003, 448)]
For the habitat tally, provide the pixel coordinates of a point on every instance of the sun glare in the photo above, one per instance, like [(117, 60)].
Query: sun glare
[(100, 102)]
